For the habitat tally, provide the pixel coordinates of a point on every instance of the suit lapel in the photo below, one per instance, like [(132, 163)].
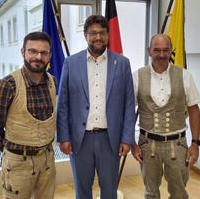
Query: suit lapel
[(83, 71), (111, 66)]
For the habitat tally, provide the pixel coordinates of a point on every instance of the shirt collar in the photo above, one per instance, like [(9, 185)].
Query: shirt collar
[(28, 80), (100, 58), (158, 74)]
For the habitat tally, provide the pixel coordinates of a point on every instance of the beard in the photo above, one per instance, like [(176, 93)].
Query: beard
[(33, 69), (97, 51)]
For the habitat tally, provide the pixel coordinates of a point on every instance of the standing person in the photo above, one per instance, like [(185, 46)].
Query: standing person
[(95, 114), (27, 113), (162, 91)]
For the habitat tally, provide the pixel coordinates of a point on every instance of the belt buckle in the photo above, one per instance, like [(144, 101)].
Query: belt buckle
[(165, 139), (94, 130)]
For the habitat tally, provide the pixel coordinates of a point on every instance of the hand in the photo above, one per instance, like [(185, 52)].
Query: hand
[(124, 149), (193, 153), (66, 147), (137, 153)]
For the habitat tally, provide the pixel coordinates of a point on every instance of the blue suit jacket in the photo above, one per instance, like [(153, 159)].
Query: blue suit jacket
[(73, 102)]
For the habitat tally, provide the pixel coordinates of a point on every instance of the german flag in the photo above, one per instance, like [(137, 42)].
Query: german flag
[(114, 43)]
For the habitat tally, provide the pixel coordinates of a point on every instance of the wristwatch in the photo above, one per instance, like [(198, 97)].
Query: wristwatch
[(196, 141)]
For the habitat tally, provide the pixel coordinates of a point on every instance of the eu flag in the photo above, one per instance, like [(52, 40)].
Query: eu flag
[(50, 27)]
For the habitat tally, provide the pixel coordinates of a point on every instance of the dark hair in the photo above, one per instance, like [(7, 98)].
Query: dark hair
[(37, 36), (98, 19)]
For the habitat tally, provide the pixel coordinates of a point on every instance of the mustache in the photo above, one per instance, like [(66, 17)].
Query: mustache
[(98, 40), (37, 61), (163, 58)]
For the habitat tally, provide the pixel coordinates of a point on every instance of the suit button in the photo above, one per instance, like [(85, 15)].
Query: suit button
[(87, 107), (84, 123)]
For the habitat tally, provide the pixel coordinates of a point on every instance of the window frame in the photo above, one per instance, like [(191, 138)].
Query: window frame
[(9, 26), (82, 14), (1, 35), (14, 28)]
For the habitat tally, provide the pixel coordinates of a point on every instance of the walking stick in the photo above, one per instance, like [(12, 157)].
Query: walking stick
[(124, 158)]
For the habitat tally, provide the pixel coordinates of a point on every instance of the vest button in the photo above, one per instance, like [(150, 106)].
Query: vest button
[(155, 114), (156, 124), (167, 124), (167, 114), (156, 120)]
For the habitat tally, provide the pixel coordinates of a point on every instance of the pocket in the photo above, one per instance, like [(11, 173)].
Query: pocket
[(7, 188), (9, 193), (11, 161)]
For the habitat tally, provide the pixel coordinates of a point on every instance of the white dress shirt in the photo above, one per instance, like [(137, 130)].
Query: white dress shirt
[(97, 75)]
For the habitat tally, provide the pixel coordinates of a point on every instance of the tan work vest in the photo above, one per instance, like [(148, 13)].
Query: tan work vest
[(21, 127), (165, 119)]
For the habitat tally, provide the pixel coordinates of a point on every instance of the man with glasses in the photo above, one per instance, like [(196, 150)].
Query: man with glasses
[(162, 92), (95, 114), (27, 123)]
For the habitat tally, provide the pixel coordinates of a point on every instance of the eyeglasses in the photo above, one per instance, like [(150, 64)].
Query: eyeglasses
[(94, 33), (33, 52)]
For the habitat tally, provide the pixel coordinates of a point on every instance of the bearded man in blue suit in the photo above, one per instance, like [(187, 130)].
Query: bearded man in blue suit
[(95, 113)]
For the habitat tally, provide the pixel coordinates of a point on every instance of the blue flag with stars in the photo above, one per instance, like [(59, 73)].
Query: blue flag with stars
[(50, 27)]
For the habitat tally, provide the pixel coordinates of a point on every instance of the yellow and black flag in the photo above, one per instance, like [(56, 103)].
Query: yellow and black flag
[(176, 33)]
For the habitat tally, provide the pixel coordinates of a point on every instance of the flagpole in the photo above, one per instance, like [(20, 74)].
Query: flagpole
[(166, 16), (121, 170), (60, 27)]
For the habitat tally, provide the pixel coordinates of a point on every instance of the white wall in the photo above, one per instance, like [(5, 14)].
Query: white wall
[(192, 27), (192, 41)]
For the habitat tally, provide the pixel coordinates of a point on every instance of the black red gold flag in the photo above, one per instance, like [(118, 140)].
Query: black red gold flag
[(114, 43)]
